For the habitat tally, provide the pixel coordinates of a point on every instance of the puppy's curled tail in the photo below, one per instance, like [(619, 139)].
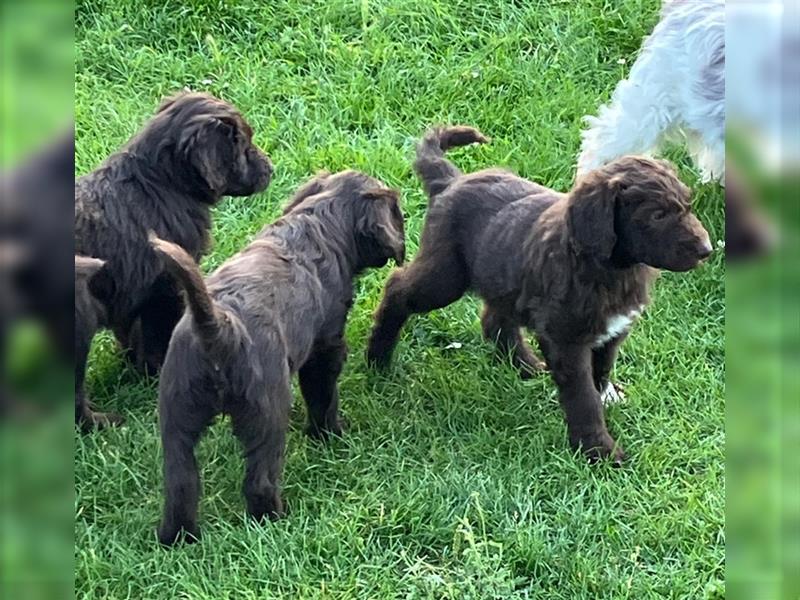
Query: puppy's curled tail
[(208, 318), (435, 171)]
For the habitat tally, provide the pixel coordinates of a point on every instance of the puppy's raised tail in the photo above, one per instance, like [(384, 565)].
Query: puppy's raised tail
[(208, 318), (435, 171)]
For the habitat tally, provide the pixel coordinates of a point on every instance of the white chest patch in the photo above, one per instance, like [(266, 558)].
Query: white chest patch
[(617, 325)]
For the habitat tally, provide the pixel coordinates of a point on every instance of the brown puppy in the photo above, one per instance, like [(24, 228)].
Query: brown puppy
[(576, 268), (277, 308), (195, 150)]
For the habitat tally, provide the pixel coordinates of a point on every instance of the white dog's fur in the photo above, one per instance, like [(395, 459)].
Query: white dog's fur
[(676, 88)]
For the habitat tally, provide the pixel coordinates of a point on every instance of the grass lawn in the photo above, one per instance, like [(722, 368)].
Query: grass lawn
[(455, 479)]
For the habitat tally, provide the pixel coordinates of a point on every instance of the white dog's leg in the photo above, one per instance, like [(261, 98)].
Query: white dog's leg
[(709, 156)]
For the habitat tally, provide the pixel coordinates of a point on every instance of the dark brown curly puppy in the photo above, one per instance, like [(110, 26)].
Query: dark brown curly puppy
[(194, 151), (575, 268), (276, 308)]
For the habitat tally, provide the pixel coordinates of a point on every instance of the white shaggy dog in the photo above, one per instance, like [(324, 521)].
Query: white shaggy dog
[(675, 89)]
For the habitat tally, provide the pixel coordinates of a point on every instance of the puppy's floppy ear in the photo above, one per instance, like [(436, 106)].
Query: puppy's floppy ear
[(382, 222), (590, 214), (208, 143)]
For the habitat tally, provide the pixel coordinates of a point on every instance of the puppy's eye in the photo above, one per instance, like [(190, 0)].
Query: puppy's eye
[(659, 215)]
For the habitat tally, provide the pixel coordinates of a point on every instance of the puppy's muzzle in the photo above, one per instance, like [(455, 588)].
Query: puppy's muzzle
[(400, 255)]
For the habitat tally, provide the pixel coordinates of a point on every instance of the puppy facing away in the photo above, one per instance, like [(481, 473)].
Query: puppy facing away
[(575, 268), (675, 89), (276, 308), (195, 150)]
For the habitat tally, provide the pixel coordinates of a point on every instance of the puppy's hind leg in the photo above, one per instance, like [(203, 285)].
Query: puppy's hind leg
[(183, 417), (432, 281), (318, 383), (504, 332), (260, 420)]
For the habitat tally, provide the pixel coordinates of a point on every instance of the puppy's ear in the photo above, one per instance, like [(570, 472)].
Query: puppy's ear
[(208, 143), (382, 223), (590, 214)]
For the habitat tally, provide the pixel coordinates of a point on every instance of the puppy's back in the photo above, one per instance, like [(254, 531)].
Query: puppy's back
[(473, 201)]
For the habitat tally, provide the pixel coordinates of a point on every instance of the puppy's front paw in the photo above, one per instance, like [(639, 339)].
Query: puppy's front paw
[(379, 353), (170, 534), (600, 447), (323, 432), (611, 393), (266, 506)]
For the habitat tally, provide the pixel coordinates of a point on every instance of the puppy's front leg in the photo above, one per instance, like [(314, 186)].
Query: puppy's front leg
[(318, 378), (603, 359), (571, 366)]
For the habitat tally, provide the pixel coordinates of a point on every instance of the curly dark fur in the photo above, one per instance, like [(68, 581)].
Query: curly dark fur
[(564, 265), (194, 151), (276, 308)]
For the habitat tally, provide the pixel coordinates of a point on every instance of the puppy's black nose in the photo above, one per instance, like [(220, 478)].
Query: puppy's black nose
[(704, 249)]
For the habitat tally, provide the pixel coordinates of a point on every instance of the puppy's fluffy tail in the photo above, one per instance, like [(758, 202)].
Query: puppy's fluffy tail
[(208, 318), (435, 171)]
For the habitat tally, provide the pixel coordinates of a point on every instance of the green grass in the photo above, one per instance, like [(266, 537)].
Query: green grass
[(454, 479)]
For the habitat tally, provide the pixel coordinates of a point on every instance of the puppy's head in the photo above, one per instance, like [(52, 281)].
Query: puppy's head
[(636, 210), (214, 143), (380, 233)]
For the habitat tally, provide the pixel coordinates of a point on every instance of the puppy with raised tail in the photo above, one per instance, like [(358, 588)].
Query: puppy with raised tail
[(276, 308), (575, 268)]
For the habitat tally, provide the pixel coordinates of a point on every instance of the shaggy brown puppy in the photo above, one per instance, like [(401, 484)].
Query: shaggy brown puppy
[(276, 308), (575, 268), (195, 150)]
